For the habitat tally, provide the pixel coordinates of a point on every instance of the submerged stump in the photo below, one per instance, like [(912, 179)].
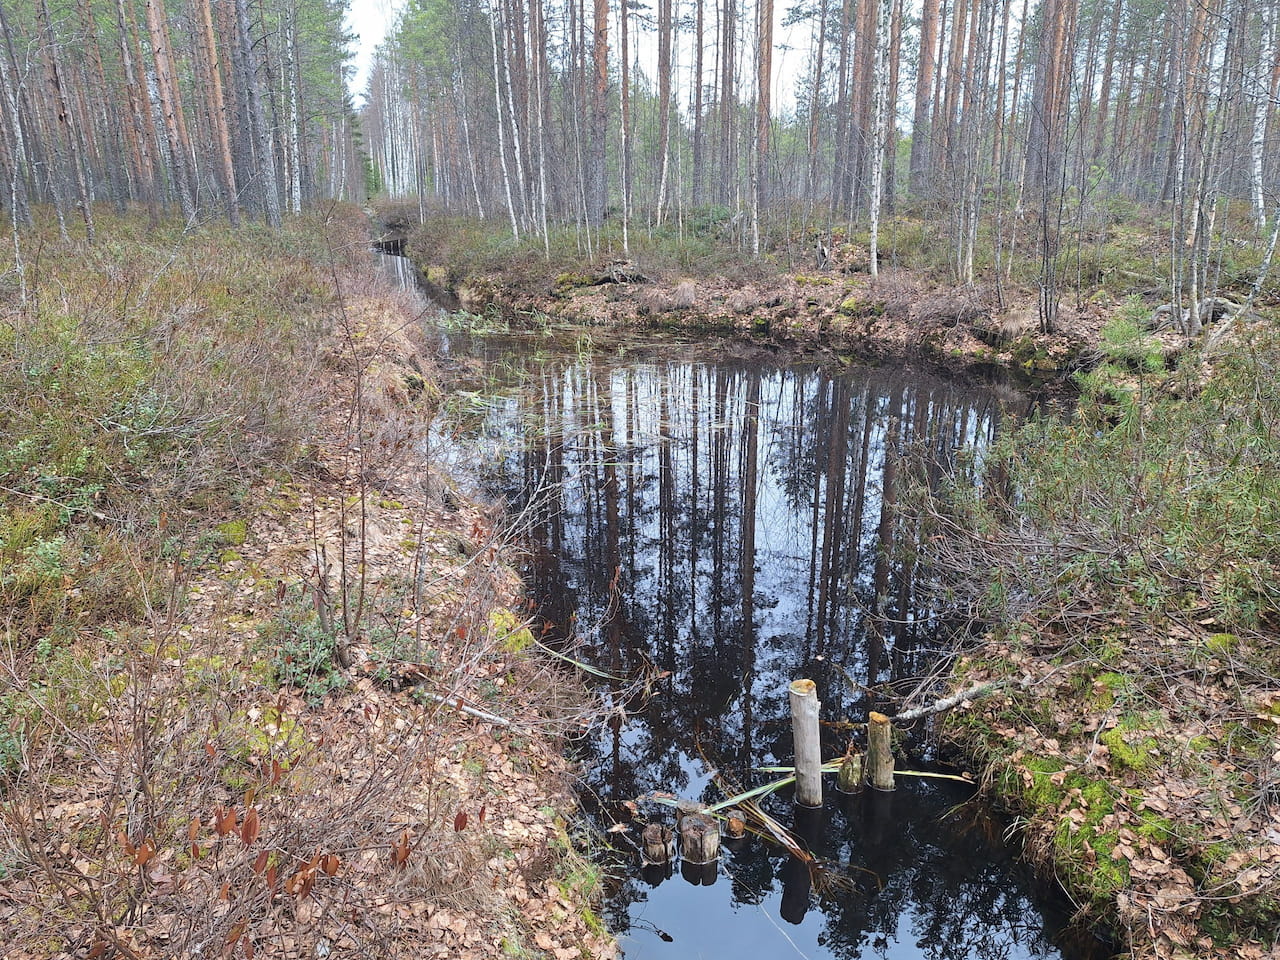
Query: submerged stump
[(699, 838), (657, 845), (849, 779)]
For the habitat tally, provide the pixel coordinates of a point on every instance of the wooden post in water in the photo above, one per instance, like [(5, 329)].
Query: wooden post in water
[(658, 845), (699, 838), (879, 751), (804, 729), (849, 779)]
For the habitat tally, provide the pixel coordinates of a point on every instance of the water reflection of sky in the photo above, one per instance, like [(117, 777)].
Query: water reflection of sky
[(732, 522)]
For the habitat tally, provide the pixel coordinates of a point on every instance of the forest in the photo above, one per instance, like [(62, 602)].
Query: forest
[(908, 347), (1018, 126), (210, 109), (1019, 131)]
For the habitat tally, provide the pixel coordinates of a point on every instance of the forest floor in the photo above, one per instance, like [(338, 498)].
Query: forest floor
[(1130, 572), (266, 687)]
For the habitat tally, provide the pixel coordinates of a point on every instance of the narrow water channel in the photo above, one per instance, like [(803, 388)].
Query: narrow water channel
[(721, 519)]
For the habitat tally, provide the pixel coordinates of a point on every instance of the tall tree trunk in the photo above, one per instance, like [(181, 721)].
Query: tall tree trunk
[(728, 178), (699, 125), (19, 184), (1108, 73), (1263, 94), (664, 102), (894, 54), (815, 105), (597, 192), (66, 126), (497, 100), (921, 128), (624, 17), (945, 131), (265, 172), (764, 80), (881, 117), (1045, 144), (866, 56), (840, 164), (217, 107)]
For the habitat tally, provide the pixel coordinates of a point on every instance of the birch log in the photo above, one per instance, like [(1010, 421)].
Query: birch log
[(879, 751), (804, 727)]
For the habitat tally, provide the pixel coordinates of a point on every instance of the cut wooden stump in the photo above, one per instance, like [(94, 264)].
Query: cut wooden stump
[(699, 838), (657, 845), (879, 751), (804, 728)]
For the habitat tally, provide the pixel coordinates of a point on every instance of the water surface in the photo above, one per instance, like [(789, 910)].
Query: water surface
[(723, 521), (726, 521)]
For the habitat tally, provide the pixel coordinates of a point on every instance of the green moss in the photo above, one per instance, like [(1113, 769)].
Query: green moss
[(1043, 793), (1098, 800), (509, 630), (270, 734), (1222, 643), (855, 306), (1155, 828), (1108, 689), (1130, 743), (233, 533), (569, 281)]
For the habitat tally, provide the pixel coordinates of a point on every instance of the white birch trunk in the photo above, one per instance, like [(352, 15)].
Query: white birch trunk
[(516, 139), (1262, 107), (880, 117), (497, 97)]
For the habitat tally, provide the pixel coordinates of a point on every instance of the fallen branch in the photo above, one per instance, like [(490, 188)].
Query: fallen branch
[(946, 703), (469, 711)]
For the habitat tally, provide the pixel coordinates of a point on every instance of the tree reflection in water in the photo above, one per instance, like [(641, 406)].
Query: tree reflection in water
[(729, 522)]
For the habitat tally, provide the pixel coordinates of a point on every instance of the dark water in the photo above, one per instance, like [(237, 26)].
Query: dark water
[(723, 519), (727, 524)]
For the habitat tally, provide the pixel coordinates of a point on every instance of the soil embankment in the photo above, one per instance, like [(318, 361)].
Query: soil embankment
[(838, 308)]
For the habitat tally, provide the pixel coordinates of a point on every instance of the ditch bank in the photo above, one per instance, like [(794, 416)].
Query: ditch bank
[(267, 689), (836, 309)]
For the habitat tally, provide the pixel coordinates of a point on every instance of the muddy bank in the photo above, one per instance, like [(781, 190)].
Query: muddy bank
[(897, 315)]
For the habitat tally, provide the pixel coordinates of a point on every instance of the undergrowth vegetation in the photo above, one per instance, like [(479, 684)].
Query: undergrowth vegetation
[(1128, 556), (241, 629), (149, 382)]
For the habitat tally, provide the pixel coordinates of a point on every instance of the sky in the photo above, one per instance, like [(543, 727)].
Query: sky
[(369, 20)]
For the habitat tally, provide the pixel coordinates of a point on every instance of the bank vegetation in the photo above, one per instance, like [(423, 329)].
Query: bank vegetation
[(265, 684)]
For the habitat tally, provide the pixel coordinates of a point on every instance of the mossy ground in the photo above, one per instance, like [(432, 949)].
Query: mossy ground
[(1137, 601)]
